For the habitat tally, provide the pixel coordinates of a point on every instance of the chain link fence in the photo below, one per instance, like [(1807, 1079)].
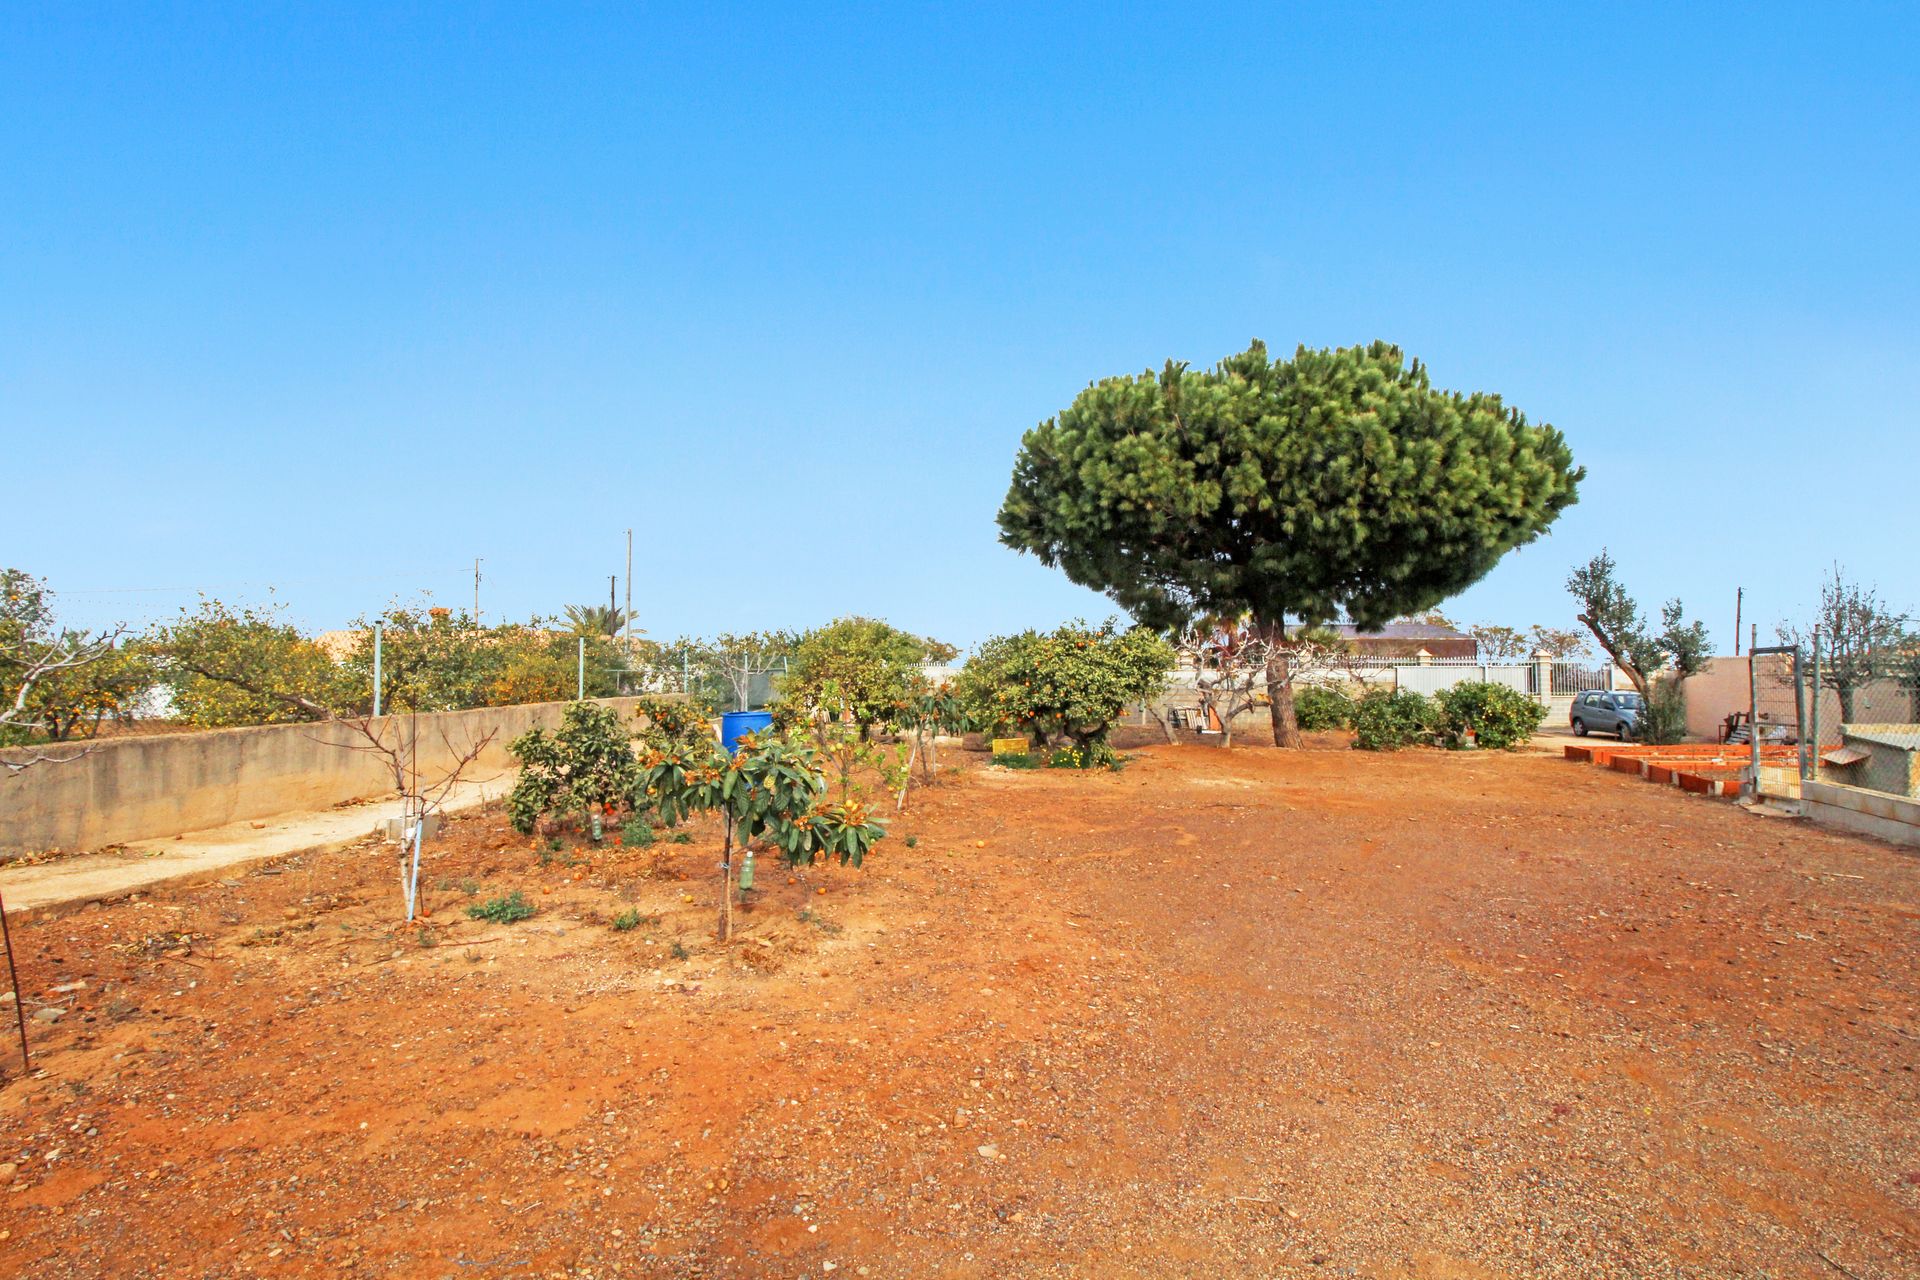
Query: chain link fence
[(1853, 723), (1863, 721)]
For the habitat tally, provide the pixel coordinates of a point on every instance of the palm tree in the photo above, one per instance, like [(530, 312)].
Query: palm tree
[(594, 619)]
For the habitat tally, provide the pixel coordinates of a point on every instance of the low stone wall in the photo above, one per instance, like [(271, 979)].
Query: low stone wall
[(1870, 813), (143, 788)]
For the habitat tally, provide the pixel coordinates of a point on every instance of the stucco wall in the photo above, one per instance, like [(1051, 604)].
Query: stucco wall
[(143, 788), (1721, 689)]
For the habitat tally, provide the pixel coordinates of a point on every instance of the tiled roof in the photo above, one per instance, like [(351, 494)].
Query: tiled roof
[(1401, 631)]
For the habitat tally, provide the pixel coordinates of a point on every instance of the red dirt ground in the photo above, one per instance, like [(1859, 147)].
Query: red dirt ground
[(1430, 1015)]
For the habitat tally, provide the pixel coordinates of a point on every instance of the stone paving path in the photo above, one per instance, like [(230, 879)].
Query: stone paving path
[(199, 855)]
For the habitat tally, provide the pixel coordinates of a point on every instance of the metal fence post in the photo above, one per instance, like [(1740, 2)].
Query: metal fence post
[(379, 632), (1816, 708), (1800, 714), (1753, 715), (582, 686)]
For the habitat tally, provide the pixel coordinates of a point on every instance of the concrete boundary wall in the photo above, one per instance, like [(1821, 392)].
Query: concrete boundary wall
[(144, 788), (1870, 813)]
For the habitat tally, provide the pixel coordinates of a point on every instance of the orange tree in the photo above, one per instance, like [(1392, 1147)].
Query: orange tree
[(1074, 683), (770, 790), (580, 771), (863, 668)]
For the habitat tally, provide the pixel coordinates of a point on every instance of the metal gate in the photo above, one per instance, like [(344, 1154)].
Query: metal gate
[(1778, 716)]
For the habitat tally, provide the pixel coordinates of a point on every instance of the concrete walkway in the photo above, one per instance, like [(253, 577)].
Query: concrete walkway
[(205, 855)]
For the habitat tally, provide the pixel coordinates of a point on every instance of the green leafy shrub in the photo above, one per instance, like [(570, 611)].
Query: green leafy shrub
[(637, 833), (1388, 721), (503, 910), (1500, 717), (1072, 683), (627, 920), (1665, 718), (590, 761), (1320, 707), (1099, 755), (1017, 760), (858, 666)]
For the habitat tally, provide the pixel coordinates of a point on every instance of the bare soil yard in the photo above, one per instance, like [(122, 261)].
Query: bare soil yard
[(1220, 1014)]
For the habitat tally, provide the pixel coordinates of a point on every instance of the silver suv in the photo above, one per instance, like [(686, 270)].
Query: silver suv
[(1599, 711)]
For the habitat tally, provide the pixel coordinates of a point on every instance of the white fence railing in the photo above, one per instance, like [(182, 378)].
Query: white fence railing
[(1546, 679), (1432, 678)]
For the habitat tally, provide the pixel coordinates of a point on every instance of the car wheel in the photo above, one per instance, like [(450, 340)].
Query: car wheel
[(1626, 733), (1579, 728)]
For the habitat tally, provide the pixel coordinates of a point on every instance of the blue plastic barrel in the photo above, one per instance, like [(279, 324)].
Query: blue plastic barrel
[(735, 725)]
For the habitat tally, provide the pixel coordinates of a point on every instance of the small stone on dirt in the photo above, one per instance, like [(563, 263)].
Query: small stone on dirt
[(52, 1013)]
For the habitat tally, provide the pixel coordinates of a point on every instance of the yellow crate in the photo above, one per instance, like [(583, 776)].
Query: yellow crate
[(1010, 746)]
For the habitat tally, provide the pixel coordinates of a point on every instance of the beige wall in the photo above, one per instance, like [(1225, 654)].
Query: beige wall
[(1722, 689), (143, 788)]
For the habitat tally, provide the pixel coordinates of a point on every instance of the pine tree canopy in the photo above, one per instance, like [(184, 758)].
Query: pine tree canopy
[(1338, 482)]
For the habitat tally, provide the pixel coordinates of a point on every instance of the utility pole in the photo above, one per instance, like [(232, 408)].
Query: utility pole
[(476, 591), (1739, 598), (613, 596), (626, 626)]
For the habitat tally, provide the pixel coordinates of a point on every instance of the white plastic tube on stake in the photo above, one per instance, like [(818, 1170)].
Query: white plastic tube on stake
[(413, 880)]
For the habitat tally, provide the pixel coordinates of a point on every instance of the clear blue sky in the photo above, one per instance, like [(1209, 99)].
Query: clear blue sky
[(337, 299)]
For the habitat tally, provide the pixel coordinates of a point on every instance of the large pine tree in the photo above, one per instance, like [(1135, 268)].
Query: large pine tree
[(1340, 482)]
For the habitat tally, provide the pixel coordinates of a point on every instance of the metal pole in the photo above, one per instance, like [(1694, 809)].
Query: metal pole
[(1753, 716), (1800, 713), (627, 624), (583, 668), (476, 591), (1739, 598), (1816, 707), (379, 635), (13, 976)]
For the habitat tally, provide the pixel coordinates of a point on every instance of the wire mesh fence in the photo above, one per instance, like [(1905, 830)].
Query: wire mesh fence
[(1854, 724), (1863, 720)]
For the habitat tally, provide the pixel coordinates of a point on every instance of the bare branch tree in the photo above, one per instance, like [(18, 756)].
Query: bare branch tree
[(1229, 664), (399, 755), (1862, 638), (30, 657), (1233, 661)]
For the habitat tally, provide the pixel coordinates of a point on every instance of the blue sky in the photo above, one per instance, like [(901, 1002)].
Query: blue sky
[(337, 299)]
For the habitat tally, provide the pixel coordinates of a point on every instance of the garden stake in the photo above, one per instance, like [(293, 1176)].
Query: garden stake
[(906, 781), (13, 977), (726, 876)]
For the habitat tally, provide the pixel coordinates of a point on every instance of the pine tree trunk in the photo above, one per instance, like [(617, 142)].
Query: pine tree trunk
[(1286, 728)]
